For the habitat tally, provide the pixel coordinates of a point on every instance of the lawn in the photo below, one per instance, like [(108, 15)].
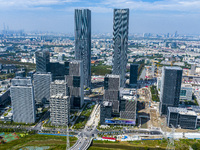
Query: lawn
[(100, 70), (55, 142), (83, 118), (182, 144), (154, 94)]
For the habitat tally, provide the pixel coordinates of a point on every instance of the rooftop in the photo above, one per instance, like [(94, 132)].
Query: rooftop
[(75, 61), (189, 112), (107, 103), (59, 96), (42, 73), (112, 76), (126, 97), (182, 111), (59, 82), (186, 85), (173, 68)]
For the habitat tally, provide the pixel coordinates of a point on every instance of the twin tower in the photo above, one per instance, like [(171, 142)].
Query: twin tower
[(120, 42)]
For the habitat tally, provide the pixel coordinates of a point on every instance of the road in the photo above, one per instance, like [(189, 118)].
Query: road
[(85, 137), (38, 126)]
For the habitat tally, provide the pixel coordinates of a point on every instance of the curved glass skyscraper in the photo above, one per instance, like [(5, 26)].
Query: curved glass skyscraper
[(83, 41), (120, 43)]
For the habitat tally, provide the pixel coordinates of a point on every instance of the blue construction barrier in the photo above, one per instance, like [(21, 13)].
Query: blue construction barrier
[(55, 134), (153, 139), (193, 138)]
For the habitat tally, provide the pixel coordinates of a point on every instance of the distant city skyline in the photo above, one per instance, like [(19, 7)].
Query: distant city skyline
[(146, 16)]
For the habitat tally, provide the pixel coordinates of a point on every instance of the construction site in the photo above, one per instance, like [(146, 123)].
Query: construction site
[(148, 113)]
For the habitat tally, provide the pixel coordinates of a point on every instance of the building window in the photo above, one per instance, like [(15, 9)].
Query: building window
[(183, 93), (76, 81)]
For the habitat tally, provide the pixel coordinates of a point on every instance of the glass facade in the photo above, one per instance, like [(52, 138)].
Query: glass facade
[(183, 93), (76, 81)]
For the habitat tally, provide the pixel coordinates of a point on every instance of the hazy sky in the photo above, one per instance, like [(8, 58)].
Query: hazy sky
[(155, 16)]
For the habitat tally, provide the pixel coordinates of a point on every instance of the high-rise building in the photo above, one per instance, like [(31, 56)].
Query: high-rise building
[(58, 70), (42, 82), (170, 88), (120, 42), (83, 41), (111, 90), (42, 60), (75, 83), (133, 75), (105, 111), (22, 98), (59, 109), (59, 87), (128, 107)]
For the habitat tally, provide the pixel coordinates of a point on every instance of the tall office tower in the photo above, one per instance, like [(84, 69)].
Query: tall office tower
[(120, 41), (59, 87), (59, 109), (193, 69), (58, 70), (42, 60), (75, 83), (128, 107), (83, 41), (133, 75), (170, 88), (42, 82), (22, 98), (111, 90), (105, 111)]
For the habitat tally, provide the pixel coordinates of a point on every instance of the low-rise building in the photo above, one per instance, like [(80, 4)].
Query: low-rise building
[(186, 92), (185, 118)]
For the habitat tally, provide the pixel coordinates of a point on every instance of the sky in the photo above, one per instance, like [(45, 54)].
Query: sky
[(146, 16)]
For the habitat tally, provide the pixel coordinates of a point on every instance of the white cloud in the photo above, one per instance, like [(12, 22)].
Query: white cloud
[(105, 6), (168, 5), (23, 4)]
